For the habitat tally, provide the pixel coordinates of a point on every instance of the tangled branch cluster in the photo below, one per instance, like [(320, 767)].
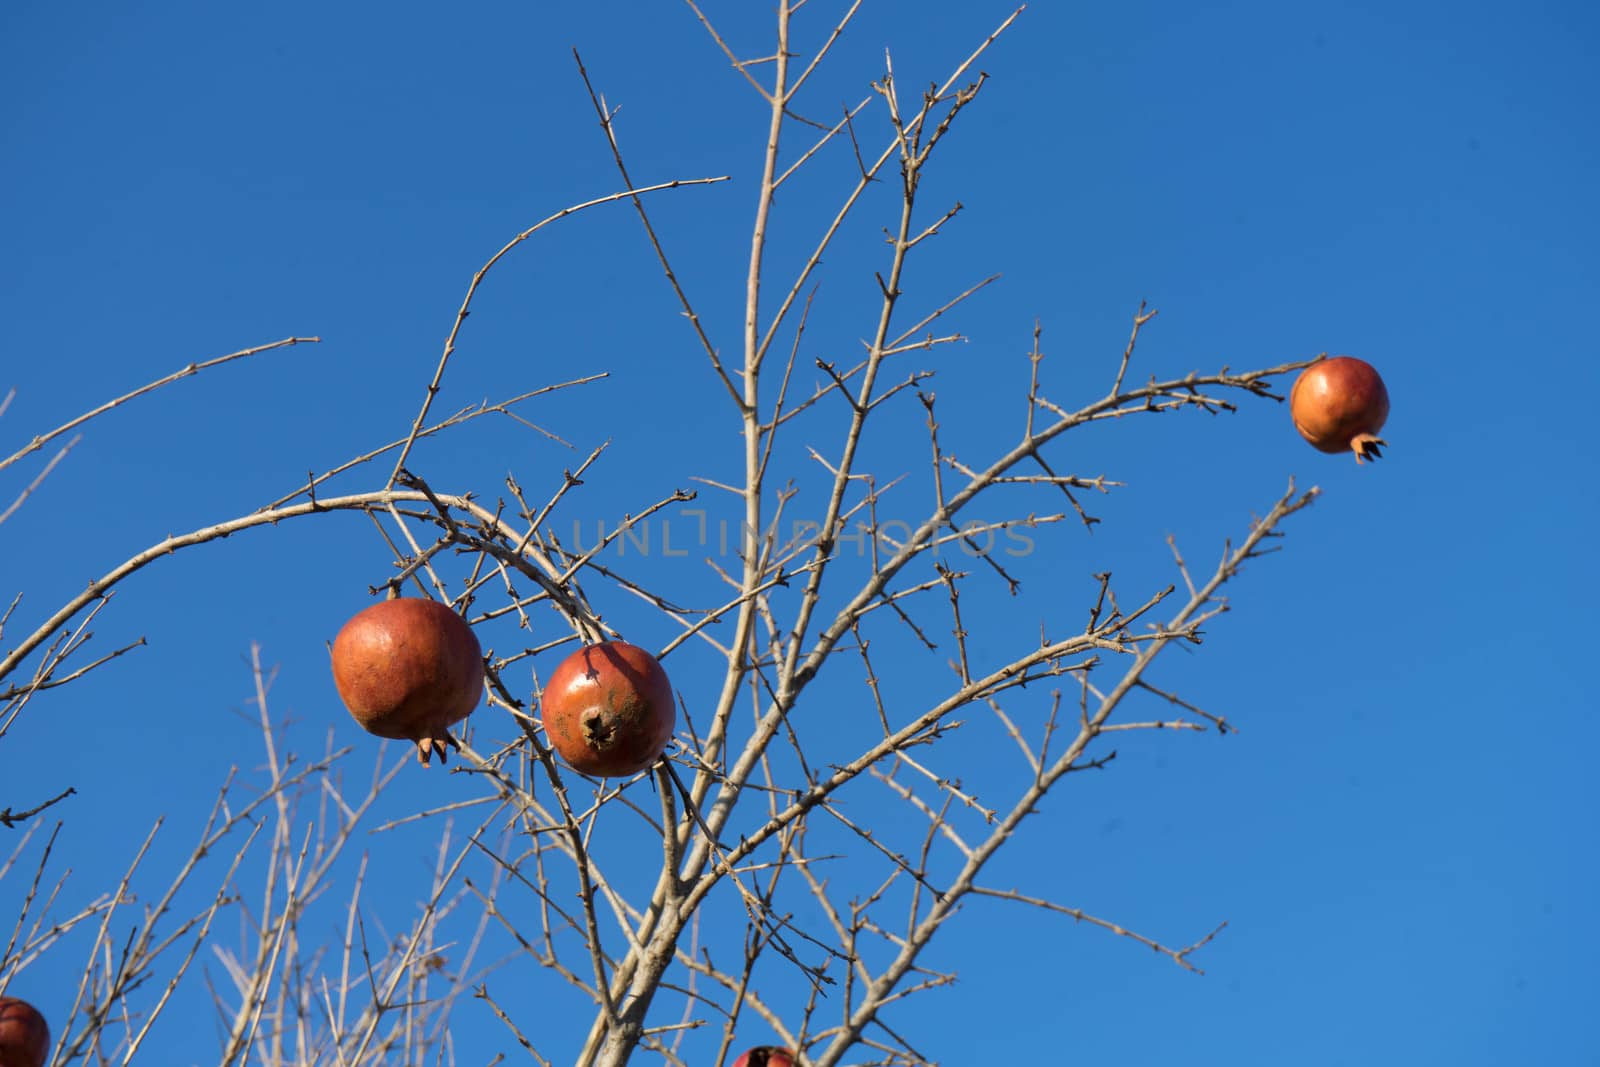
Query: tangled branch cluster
[(772, 896)]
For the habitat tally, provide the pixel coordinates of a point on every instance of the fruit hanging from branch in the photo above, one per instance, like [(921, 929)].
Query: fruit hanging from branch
[(409, 669), (765, 1056), (24, 1035), (608, 709), (1339, 405)]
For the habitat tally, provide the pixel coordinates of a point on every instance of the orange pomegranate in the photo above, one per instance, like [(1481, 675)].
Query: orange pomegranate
[(608, 709), (24, 1035), (409, 669), (1339, 405)]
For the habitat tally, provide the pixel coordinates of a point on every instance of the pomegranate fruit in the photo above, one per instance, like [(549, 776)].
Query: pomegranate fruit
[(1339, 405), (24, 1035), (409, 669), (608, 709), (765, 1056)]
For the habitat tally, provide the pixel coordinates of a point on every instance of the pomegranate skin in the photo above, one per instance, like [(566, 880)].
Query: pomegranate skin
[(409, 669), (765, 1056), (1339, 405), (24, 1035), (608, 709)]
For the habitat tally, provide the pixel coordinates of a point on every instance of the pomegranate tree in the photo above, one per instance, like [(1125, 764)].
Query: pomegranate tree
[(1339, 405), (24, 1035), (409, 669), (608, 709)]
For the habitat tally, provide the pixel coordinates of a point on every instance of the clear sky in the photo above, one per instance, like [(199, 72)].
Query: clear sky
[(1402, 834)]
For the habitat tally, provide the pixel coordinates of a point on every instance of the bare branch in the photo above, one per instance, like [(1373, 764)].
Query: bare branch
[(477, 279), (9, 819), (193, 368)]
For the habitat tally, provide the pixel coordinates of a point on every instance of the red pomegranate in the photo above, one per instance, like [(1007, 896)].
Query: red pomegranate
[(765, 1056), (24, 1035), (410, 669), (608, 709), (1339, 405)]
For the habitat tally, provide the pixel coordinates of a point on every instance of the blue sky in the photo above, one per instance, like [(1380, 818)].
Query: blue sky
[(1401, 834)]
